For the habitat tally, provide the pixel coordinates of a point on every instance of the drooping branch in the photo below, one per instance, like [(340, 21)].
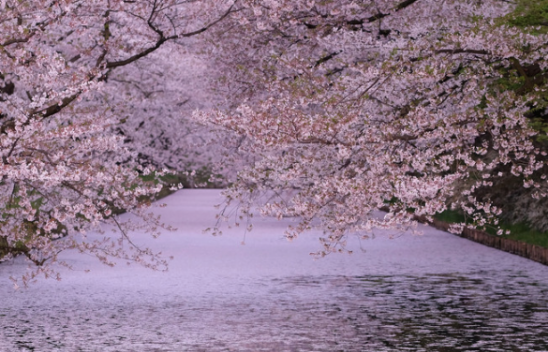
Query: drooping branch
[(162, 39)]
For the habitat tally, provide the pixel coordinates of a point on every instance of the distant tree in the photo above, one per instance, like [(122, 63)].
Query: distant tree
[(413, 106)]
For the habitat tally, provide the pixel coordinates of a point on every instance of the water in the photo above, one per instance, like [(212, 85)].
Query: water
[(435, 292)]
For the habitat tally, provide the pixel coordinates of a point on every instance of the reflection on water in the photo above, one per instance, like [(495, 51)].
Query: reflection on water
[(451, 312), (483, 311)]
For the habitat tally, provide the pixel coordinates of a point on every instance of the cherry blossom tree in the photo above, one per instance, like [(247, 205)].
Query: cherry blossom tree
[(411, 106), (68, 70), (338, 107), (159, 94)]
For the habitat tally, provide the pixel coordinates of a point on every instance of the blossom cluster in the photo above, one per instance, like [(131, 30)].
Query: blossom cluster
[(398, 105)]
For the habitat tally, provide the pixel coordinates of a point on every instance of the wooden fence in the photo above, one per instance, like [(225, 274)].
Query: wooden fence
[(530, 251)]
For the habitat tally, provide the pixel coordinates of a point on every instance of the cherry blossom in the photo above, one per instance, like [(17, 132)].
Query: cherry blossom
[(351, 107), (67, 72)]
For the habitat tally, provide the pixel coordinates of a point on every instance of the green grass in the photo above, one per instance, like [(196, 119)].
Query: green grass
[(451, 216), (524, 233), (520, 232), (530, 15)]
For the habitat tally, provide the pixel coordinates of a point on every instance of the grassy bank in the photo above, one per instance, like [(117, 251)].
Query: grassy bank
[(520, 232)]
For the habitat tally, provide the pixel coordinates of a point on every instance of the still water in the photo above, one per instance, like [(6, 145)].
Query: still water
[(434, 292)]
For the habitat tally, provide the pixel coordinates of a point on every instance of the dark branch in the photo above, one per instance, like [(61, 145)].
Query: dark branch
[(55, 108), (162, 39), (377, 17), (462, 51), (114, 64), (17, 40), (326, 58), (405, 4)]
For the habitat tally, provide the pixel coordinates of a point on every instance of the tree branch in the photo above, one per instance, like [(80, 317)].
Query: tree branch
[(462, 51), (405, 4)]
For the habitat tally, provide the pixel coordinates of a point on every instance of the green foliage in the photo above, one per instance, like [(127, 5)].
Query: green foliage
[(451, 216), (509, 82), (530, 14), (200, 178), (483, 102), (540, 125), (522, 79)]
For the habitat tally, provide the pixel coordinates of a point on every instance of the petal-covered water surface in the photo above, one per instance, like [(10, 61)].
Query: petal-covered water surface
[(433, 292)]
